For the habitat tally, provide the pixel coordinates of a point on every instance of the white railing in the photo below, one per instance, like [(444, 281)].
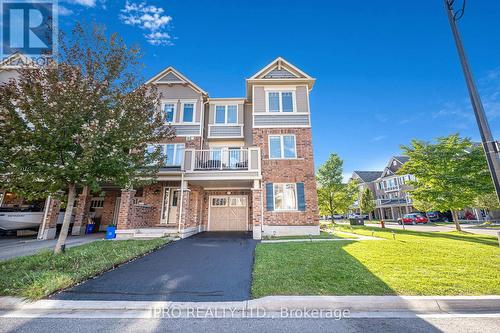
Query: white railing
[(221, 159)]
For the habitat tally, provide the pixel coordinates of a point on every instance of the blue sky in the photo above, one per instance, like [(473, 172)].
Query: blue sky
[(387, 71)]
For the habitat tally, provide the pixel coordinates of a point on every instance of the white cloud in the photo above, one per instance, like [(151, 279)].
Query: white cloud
[(149, 18), (63, 11), (86, 3), (378, 138)]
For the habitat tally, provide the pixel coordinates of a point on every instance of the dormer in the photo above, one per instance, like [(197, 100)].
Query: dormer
[(280, 95)]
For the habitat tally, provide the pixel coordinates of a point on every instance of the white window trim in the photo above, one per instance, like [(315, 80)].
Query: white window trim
[(282, 146), (280, 100), (184, 102), (175, 153), (169, 101), (296, 198), (226, 108)]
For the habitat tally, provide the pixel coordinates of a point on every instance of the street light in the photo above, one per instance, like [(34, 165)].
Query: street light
[(491, 149)]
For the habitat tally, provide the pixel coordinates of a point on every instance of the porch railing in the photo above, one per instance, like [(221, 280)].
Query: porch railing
[(221, 159)]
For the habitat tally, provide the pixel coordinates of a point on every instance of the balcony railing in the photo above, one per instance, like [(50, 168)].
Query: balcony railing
[(221, 159)]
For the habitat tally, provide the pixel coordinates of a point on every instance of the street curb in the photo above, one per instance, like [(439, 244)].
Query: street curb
[(417, 304)]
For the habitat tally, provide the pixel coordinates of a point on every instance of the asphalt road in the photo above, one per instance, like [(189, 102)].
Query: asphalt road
[(53, 325), (11, 247), (204, 267)]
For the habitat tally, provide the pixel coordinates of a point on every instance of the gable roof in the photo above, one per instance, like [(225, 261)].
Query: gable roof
[(16, 61), (391, 169), (172, 76), (279, 68), (368, 176)]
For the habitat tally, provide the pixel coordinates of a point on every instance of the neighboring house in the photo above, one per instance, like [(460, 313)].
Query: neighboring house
[(236, 164), (390, 189)]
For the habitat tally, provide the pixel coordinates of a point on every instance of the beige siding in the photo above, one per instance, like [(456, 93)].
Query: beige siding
[(8, 74), (247, 129), (301, 98), (259, 100)]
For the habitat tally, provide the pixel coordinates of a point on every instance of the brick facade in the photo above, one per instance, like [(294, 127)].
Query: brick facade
[(296, 170), (82, 212)]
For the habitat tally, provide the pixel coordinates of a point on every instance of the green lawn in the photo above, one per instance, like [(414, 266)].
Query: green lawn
[(416, 263), (44, 273)]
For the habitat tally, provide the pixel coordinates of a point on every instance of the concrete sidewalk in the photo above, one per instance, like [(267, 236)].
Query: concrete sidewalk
[(18, 247), (267, 306)]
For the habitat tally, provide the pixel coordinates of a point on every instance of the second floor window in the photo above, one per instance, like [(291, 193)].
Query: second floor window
[(188, 112), (169, 110), (282, 146), (226, 114), (174, 154), (280, 101)]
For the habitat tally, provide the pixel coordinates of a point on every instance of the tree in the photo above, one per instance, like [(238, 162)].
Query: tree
[(367, 202), (337, 201), (449, 174), (84, 122), (333, 195)]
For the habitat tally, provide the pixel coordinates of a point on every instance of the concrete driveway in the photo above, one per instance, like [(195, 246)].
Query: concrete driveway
[(204, 267), (12, 247)]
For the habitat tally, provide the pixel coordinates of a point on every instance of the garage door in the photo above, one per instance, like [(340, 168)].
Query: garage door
[(228, 213)]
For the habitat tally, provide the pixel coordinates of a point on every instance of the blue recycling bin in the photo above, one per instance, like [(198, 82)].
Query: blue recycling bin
[(90, 228), (110, 232)]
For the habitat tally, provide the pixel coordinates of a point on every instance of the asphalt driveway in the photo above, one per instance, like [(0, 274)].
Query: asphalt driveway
[(204, 267)]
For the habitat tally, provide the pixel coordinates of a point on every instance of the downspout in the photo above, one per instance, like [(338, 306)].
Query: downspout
[(180, 205)]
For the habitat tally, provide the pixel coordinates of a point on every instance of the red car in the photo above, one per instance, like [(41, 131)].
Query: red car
[(413, 219)]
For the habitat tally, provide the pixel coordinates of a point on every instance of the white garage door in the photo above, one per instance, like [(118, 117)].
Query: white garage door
[(228, 213)]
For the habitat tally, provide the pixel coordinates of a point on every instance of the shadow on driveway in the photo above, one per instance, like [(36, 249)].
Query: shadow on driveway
[(204, 267)]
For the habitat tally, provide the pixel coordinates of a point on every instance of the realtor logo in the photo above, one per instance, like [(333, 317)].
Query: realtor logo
[(29, 27)]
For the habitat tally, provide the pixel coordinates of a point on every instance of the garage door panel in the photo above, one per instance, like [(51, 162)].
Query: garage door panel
[(225, 216)]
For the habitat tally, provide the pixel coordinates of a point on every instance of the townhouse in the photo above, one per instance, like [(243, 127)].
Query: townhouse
[(236, 164), (390, 190)]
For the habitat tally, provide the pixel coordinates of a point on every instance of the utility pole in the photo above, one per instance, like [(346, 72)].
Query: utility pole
[(491, 148)]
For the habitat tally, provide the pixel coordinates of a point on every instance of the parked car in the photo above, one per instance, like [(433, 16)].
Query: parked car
[(413, 218), (338, 216), (437, 217), (358, 216)]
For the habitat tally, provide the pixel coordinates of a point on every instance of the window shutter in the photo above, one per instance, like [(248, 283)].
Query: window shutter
[(301, 197), (269, 196)]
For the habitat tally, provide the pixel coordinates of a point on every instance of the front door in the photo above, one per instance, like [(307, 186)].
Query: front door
[(169, 205)]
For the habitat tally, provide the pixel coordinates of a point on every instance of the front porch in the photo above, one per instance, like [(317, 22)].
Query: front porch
[(186, 207)]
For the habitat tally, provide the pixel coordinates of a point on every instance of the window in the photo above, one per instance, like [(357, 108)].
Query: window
[(240, 201), (285, 196), (219, 202), (226, 114), (280, 101), (282, 146), (188, 112), (175, 197), (174, 154), (168, 112)]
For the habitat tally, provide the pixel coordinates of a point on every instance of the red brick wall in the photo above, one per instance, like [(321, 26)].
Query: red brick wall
[(108, 207), (290, 171)]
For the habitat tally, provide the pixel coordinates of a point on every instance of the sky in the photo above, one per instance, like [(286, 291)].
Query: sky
[(386, 71)]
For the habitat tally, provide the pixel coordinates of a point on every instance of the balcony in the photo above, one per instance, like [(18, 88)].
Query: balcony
[(222, 164), (221, 159)]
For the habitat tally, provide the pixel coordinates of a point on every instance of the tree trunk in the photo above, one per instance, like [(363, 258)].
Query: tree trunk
[(67, 219), (454, 213)]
